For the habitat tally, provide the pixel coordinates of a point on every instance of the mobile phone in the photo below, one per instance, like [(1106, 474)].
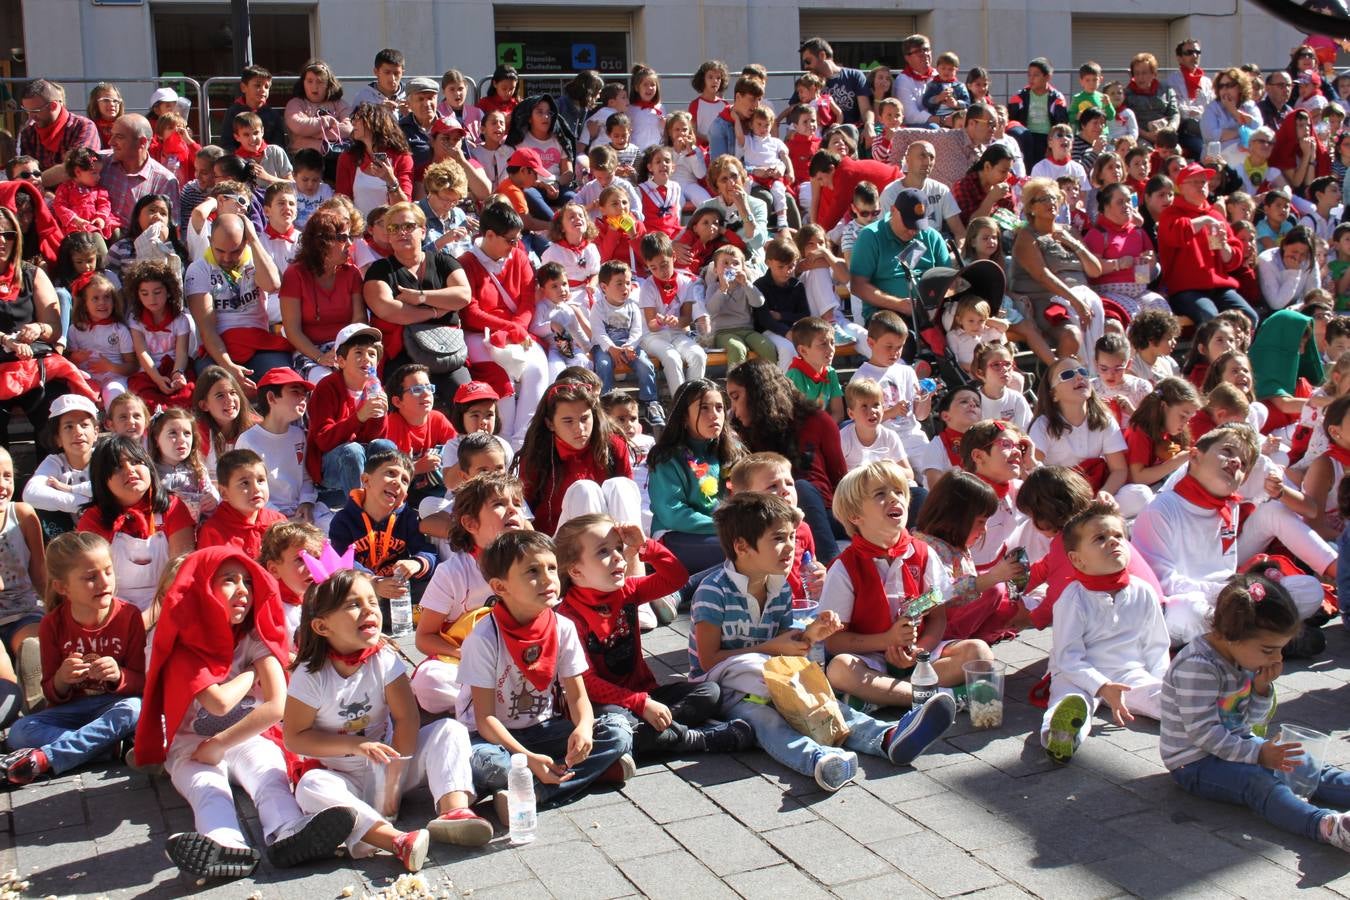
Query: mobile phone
[(380, 157)]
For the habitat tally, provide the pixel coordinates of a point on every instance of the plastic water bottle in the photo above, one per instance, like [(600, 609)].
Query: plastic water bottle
[(372, 387), (520, 800), (924, 680), (400, 611)]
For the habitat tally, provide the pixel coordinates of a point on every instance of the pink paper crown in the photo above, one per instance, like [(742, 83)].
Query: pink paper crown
[(328, 562)]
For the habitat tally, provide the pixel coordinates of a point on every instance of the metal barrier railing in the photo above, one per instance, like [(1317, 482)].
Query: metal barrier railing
[(226, 88), (15, 116)]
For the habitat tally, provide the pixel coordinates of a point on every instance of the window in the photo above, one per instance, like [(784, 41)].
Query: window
[(860, 41)]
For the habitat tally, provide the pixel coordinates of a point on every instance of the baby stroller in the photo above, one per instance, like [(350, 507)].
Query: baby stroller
[(940, 288)]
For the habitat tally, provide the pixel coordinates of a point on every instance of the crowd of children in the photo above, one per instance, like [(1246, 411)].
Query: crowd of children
[(292, 410)]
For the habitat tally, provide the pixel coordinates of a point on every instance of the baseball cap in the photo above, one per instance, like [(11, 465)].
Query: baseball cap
[(447, 124), (356, 329), (163, 95), (912, 207), (422, 86), (527, 158), (1310, 78), (1195, 170), (68, 403), (283, 376), (475, 391)]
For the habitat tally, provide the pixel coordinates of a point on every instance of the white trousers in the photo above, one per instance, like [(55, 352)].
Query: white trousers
[(1144, 698), (1273, 520), (441, 762), (257, 765), (517, 410), (1132, 498), (682, 359), (435, 684), (1187, 615), (786, 352)]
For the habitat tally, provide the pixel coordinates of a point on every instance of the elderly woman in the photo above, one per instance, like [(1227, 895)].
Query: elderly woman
[(747, 217), (1199, 252), (29, 325), (1289, 271), (1231, 110), (1051, 269), (321, 292), (1153, 103), (983, 189), (1125, 251), (377, 168), (412, 286)]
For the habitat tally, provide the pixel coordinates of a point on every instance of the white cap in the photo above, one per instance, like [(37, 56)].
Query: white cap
[(163, 95), (353, 330), (67, 403)]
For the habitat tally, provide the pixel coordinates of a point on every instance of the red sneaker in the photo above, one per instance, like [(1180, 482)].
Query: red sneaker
[(461, 827), (411, 849)]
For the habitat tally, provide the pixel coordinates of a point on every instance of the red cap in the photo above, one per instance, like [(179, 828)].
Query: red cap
[(447, 124), (282, 377), (476, 390), (527, 158), (1195, 170)]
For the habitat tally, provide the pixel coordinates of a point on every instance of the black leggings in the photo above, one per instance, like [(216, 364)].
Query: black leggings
[(690, 705)]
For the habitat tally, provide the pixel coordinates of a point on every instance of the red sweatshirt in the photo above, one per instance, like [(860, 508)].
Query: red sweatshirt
[(619, 674), (848, 175), (122, 637), (622, 246), (487, 309), (1187, 262), (544, 490), (823, 457), (417, 441), (801, 148), (227, 526), (333, 422)]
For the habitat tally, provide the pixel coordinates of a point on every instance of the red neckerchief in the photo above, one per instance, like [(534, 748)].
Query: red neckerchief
[(952, 441), (595, 609), (151, 325), (94, 323), (922, 79), (351, 659), (288, 596), (533, 646), (1153, 89), (1192, 79), (1192, 492), (50, 137), (1111, 584), (1339, 453), (274, 234), (577, 249), (137, 521), (800, 365), (871, 610), (1000, 489), (567, 453), (645, 104), (251, 154), (668, 290), (9, 284)]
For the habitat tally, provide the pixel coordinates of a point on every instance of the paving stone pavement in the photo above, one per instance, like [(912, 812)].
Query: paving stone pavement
[(984, 815)]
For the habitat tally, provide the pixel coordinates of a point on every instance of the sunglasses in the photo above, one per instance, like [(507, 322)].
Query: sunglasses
[(401, 228), (866, 213), (237, 199), (1195, 52), (343, 237), (1071, 374), (26, 174), (418, 390), (8, 236)]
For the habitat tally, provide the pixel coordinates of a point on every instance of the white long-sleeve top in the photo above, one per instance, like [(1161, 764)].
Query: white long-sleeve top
[(689, 290), (41, 495), (690, 168), (283, 455), (1280, 286), (608, 320), (1100, 638), (1182, 544)]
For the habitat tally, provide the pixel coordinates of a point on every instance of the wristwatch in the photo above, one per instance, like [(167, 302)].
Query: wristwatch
[(421, 298)]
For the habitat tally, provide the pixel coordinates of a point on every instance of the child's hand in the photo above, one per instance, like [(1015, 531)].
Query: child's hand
[(1279, 757), (1007, 569), (389, 587), (899, 409), (901, 656), (374, 407), (1265, 677), (631, 535), (1124, 404), (405, 569), (825, 624), (657, 715), (209, 752), (105, 668), (377, 752), (902, 632), (789, 643), (1274, 484), (58, 485), (208, 506), (579, 745), (813, 579), (546, 770), (97, 366), (429, 463), (73, 669), (1114, 695)]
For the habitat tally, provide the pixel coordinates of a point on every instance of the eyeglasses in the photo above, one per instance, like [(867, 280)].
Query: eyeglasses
[(1194, 51), (402, 227), (343, 237), (418, 390), (1007, 444), (866, 213), (1071, 374), (512, 240), (8, 236)]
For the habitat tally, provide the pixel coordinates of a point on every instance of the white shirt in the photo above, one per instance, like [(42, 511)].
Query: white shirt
[(910, 94), (1076, 444), (486, 663), (688, 290), (1002, 531), (108, 342), (838, 592), (38, 494), (160, 344), (1183, 547), (283, 455), (1048, 168), (1011, 407), (886, 445), (1163, 367), (613, 326), (354, 705), (933, 458), (762, 152), (647, 125), (456, 587), (1099, 638), (899, 382), (237, 304), (963, 343), (200, 723)]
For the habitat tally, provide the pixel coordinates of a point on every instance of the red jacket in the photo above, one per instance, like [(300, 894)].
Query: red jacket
[(622, 246), (73, 200), (544, 490), (487, 309), (850, 173), (800, 150), (402, 164), (333, 422), (1188, 264), (227, 526), (122, 637)]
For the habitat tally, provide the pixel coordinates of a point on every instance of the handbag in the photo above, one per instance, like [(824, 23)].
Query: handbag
[(437, 345)]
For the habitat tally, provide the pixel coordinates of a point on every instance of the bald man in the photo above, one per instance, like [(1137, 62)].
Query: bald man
[(919, 160), (128, 171)]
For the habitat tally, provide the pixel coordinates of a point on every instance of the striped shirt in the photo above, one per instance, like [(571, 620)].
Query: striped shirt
[(724, 600), (125, 188), (1210, 709)]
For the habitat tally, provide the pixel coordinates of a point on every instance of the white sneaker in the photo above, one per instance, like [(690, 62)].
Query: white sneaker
[(1340, 831), (834, 770)]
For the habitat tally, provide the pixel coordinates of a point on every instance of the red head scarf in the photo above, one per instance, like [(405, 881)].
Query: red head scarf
[(1284, 152), (48, 230)]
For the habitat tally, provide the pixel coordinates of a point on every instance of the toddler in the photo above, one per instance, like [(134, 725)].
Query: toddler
[(174, 446), (766, 158), (973, 325), (867, 440), (81, 202)]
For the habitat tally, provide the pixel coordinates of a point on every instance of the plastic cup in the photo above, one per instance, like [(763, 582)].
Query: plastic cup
[(984, 691), (804, 611), (1307, 772), (1217, 239)]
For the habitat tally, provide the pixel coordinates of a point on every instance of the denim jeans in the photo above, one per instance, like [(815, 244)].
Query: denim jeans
[(342, 467), (696, 551), (74, 733), (260, 363), (797, 751), (818, 519), (1201, 306), (690, 706), (491, 762), (1259, 788), (641, 366)]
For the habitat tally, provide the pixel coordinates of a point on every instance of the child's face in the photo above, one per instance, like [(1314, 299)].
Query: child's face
[(647, 88), (281, 212), (256, 91), (291, 402), (6, 479), (1138, 167), (759, 126), (175, 441), (223, 402), (806, 123), (291, 570), (456, 93), (819, 354), (726, 261), (1072, 192), (494, 126), (1090, 82), (680, 133), (1003, 461), (91, 582), (481, 416), (772, 554), (233, 586), (963, 412), (247, 490), (1178, 416), (76, 434), (1117, 95), (1070, 382), (883, 514), (89, 177), (618, 136), (129, 482), (100, 304), (388, 76), (129, 420), (998, 370), (1263, 648), (501, 513), (415, 400), (249, 138), (506, 87), (972, 321), (618, 289), (1220, 469), (1220, 343), (707, 417), (1102, 547), (775, 480), (886, 349), (946, 71), (707, 228), (809, 93), (530, 586), (620, 102), (554, 291), (492, 459), (1111, 367), (153, 296), (866, 411), (660, 166), (890, 116), (979, 87), (1277, 211), (616, 206), (1036, 79), (84, 261), (781, 270), (573, 423), (1338, 346), (986, 243), (624, 419), (1238, 372), (662, 266), (601, 565), (387, 487), (355, 624), (354, 363)]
